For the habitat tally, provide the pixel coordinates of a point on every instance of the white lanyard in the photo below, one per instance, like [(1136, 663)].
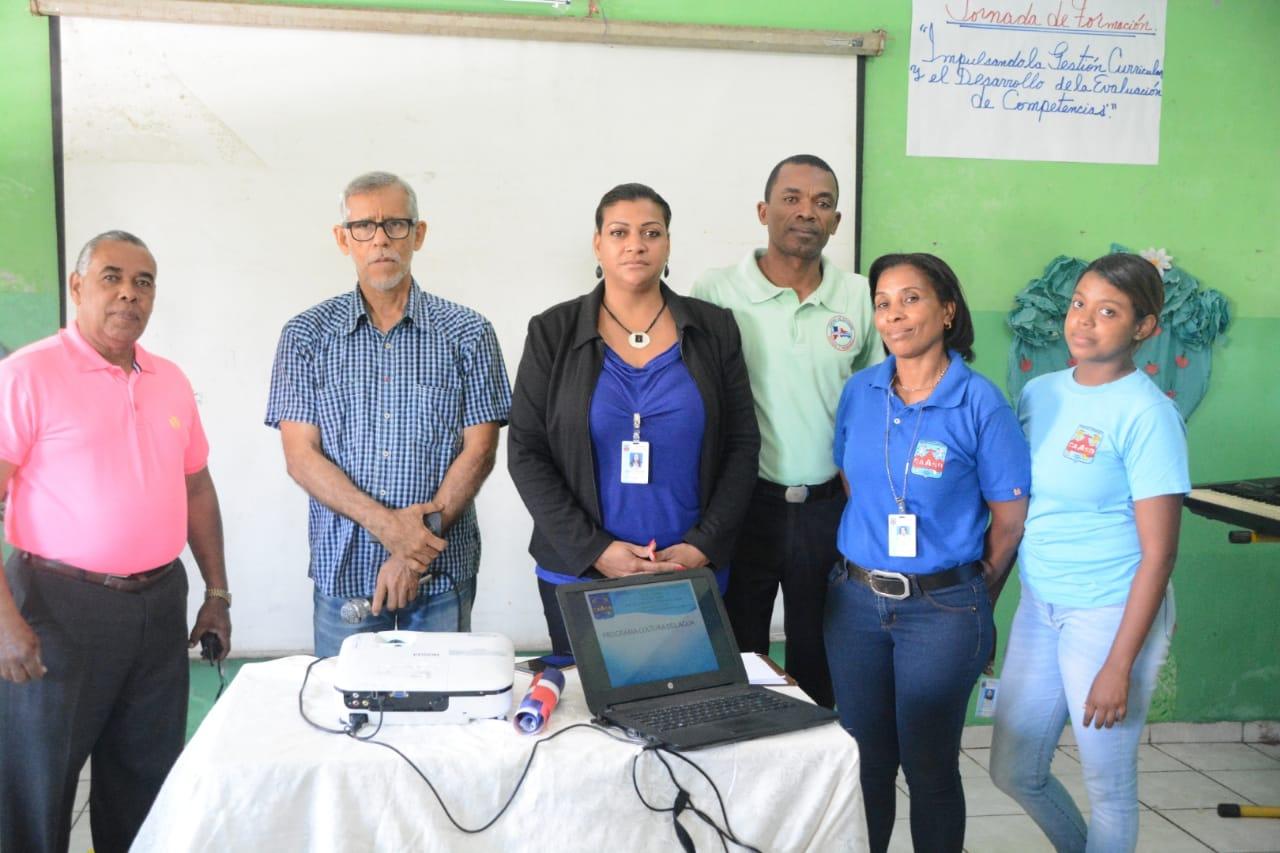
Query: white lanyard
[(901, 501)]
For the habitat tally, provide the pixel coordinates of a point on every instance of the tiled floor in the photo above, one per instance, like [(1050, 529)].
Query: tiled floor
[(1179, 788), (1184, 771)]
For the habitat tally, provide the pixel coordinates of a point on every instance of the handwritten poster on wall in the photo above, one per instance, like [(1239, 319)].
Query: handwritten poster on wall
[(1068, 80)]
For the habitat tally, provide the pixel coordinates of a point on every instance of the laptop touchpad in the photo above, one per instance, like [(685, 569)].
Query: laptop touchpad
[(750, 724)]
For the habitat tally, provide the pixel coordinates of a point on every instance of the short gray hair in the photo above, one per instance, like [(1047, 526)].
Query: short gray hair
[(370, 181), (117, 236)]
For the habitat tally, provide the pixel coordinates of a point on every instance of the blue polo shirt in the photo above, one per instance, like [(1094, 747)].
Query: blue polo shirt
[(952, 452)]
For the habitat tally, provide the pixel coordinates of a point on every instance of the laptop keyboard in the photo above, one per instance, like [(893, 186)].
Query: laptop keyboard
[(708, 710)]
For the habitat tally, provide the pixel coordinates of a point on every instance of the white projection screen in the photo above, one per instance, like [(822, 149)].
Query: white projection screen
[(226, 148)]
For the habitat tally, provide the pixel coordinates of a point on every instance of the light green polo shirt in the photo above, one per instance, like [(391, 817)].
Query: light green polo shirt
[(799, 355)]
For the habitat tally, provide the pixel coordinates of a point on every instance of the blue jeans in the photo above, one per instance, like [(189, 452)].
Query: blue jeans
[(1054, 654), (447, 611), (903, 672)]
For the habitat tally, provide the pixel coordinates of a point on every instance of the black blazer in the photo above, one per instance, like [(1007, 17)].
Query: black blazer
[(549, 443)]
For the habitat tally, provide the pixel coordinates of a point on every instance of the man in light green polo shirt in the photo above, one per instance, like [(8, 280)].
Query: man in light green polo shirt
[(806, 328)]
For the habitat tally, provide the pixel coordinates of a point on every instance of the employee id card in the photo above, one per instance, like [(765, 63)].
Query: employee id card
[(635, 462), (902, 534)]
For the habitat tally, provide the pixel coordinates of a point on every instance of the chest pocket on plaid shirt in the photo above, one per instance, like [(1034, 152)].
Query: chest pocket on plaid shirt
[(338, 413), (438, 415)]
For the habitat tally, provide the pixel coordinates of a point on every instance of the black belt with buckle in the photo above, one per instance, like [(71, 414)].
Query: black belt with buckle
[(801, 494), (121, 583), (900, 585)]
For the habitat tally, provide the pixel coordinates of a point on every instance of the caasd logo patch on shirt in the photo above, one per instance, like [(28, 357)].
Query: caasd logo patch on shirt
[(174, 422), (929, 459), (1084, 444), (840, 332)]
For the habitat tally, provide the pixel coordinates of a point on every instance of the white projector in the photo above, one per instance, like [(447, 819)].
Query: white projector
[(399, 677)]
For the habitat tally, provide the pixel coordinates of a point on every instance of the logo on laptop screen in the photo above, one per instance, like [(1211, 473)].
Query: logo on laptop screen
[(601, 605)]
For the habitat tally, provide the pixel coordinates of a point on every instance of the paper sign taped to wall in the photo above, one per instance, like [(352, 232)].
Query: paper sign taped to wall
[(1067, 80)]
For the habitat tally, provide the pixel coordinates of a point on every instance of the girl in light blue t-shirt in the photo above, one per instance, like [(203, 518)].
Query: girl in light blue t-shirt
[(1108, 472)]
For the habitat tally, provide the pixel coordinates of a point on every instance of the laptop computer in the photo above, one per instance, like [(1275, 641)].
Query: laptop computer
[(657, 659)]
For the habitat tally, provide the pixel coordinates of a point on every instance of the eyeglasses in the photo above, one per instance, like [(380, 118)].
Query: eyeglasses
[(364, 229)]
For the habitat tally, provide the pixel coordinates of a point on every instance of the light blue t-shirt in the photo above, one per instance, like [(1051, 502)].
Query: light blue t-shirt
[(1094, 451)]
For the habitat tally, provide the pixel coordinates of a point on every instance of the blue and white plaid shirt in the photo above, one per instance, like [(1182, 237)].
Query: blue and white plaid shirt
[(391, 409)]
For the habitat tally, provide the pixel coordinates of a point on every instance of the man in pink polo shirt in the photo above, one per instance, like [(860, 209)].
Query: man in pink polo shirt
[(104, 460)]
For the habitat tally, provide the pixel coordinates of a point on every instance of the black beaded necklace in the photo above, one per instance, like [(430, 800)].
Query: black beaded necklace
[(637, 340)]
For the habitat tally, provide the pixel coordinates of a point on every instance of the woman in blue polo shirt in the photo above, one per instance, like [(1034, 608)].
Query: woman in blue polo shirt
[(1109, 467), (938, 472)]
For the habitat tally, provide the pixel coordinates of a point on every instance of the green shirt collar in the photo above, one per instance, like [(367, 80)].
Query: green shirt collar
[(762, 290)]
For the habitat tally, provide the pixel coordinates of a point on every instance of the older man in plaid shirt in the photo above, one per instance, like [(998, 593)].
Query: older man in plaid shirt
[(388, 400)]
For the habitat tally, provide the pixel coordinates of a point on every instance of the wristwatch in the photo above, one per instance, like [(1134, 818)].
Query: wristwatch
[(214, 592)]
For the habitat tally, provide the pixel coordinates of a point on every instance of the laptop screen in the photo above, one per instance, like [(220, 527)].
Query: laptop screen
[(651, 632), (647, 636)]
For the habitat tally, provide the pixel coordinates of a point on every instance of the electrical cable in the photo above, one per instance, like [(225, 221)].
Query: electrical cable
[(683, 801), (347, 729)]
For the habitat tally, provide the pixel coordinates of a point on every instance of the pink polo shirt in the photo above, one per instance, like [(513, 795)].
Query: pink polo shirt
[(101, 455)]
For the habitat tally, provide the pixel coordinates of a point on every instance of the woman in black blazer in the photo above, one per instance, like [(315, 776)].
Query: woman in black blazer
[(633, 438)]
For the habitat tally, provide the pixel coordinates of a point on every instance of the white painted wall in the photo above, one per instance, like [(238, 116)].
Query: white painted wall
[(226, 149)]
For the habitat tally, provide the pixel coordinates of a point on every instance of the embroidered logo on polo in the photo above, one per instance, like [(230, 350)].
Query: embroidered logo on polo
[(1084, 444), (174, 422), (840, 332), (929, 459)]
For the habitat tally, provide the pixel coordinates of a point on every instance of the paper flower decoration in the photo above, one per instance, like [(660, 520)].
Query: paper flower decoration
[(1160, 259), (1177, 356)]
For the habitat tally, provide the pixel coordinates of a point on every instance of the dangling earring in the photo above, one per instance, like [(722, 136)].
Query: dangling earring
[(599, 272), (947, 325), (666, 271)]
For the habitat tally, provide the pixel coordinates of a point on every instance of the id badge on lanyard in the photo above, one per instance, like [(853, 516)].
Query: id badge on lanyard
[(634, 465), (902, 534)]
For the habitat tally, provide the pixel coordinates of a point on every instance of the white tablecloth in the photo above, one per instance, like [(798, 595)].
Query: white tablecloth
[(256, 777)]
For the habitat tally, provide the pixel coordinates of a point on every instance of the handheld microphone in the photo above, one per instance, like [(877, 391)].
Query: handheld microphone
[(536, 706)]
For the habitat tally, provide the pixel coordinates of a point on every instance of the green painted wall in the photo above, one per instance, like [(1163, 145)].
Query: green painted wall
[(28, 246), (1213, 202)]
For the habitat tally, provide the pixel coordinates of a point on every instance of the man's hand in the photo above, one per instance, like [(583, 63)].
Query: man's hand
[(19, 651), (1107, 702), (685, 555), (215, 616), (403, 533), (621, 559), (397, 583)]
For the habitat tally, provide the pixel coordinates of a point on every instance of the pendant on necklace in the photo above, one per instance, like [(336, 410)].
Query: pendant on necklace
[(638, 340)]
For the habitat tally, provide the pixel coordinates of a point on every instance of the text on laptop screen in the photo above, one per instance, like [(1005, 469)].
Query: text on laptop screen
[(651, 632)]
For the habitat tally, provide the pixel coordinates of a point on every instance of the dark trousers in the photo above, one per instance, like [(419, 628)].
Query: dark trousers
[(903, 671), (792, 545), (116, 690), (555, 619)]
